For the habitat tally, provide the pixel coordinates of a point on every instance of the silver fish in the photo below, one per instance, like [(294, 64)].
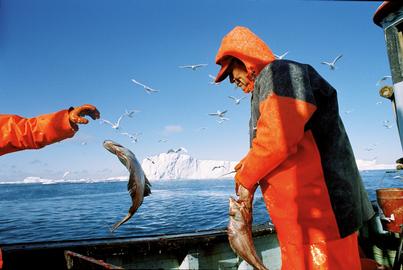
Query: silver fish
[(240, 232), (138, 186)]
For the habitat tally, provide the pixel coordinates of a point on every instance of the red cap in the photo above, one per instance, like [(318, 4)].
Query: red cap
[(224, 71)]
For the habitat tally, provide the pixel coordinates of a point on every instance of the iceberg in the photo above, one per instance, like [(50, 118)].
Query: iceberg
[(183, 166)]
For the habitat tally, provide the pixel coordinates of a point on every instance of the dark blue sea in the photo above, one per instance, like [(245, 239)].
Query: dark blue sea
[(71, 211)]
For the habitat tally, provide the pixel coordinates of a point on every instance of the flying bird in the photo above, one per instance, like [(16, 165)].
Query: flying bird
[(279, 57), (148, 89), (177, 150), (162, 140), (66, 173), (237, 100), (213, 80), (222, 120), (348, 111), (384, 78), (116, 125), (201, 128), (217, 167), (332, 65), (130, 113), (134, 137), (387, 124), (193, 67), (218, 113)]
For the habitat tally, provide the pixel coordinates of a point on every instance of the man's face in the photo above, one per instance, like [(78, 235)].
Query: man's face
[(238, 75)]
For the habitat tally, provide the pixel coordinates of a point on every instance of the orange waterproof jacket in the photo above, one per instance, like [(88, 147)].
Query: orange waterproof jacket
[(302, 159), (18, 133)]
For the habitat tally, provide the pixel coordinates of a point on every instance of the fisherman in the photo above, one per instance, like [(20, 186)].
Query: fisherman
[(18, 133), (299, 154)]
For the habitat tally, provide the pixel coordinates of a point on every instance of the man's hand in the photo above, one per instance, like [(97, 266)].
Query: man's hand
[(76, 115)]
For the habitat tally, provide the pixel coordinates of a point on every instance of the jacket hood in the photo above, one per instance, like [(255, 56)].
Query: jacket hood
[(243, 44)]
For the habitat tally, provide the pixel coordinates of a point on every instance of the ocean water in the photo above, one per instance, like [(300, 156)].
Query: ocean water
[(70, 211)]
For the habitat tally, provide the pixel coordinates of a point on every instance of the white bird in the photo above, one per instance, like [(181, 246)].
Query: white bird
[(148, 89), (66, 173), (237, 100), (134, 137), (387, 124), (217, 167), (193, 67), (218, 113), (279, 57), (201, 128), (379, 102), (83, 143), (222, 120), (116, 125), (152, 161), (162, 140), (177, 150), (384, 78), (332, 65), (213, 80), (348, 111), (371, 147), (130, 113)]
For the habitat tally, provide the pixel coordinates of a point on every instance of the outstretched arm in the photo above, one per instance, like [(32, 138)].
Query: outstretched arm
[(19, 133)]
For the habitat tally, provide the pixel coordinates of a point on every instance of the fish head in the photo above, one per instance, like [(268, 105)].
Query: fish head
[(112, 146)]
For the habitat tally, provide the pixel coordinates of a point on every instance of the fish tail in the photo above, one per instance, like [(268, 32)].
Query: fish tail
[(117, 224)]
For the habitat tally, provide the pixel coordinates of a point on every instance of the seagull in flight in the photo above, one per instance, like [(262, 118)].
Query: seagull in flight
[(371, 147), (384, 78), (217, 167), (213, 80), (162, 140), (177, 150), (201, 128), (387, 124), (134, 137), (279, 57), (148, 89), (66, 173), (130, 113), (237, 100), (193, 67), (218, 113), (332, 65), (152, 161), (116, 125), (222, 120), (348, 111)]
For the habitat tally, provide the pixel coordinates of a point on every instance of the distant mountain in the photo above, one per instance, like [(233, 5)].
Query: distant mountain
[(183, 166)]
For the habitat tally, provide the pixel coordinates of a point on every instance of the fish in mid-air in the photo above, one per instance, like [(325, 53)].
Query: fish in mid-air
[(240, 231), (138, 185)]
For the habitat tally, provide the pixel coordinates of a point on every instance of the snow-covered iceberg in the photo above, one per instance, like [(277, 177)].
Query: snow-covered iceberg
[(183, 166)]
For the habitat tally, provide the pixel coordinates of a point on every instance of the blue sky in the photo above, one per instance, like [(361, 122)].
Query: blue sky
[(57, 54)]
